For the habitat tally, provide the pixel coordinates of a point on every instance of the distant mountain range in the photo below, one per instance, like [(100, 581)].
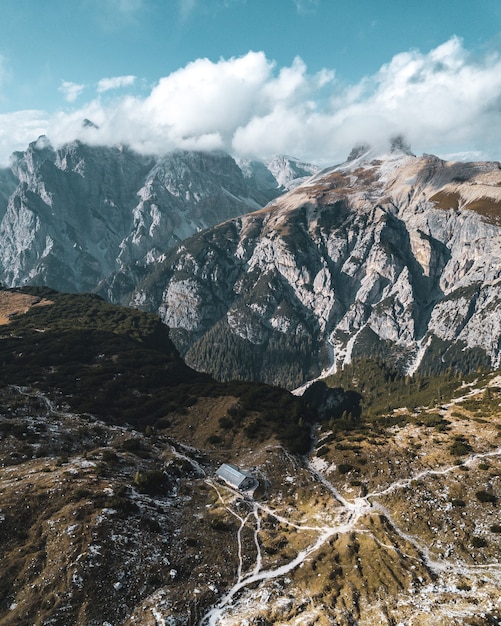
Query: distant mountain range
[(388, 255), (376, 492), (71, 217), (392, 256)]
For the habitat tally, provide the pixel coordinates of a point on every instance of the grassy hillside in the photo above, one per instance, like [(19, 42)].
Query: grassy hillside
[(119, 364)]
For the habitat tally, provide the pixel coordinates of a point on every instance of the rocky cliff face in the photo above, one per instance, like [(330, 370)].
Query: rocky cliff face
[(71, 217), (285, 171), (71, 210), (394, 256)]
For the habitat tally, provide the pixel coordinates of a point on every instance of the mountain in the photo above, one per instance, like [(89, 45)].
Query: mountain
[(71, 217), (117, 362), (285, 171), (388, 255), (111, 511)]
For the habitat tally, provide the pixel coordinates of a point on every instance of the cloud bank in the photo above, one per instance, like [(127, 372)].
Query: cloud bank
[(444, 101)]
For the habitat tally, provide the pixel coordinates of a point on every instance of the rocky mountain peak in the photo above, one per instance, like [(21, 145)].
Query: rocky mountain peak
[(358, 151), (26, 164), (396, 146), (388, 253), (392, 255), (399, 144), (73, 216), (290, 172), (89, 124)]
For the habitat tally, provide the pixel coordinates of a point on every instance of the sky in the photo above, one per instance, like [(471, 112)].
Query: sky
[(256, 78)]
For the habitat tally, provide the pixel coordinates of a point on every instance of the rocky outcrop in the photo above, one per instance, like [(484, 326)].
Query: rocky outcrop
[(282, 172), (73, 217), (392, 256)]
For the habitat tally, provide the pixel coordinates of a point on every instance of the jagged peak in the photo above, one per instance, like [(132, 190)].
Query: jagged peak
[(365, 151), (358, 151), (37, 153), (398, 143), (42, 143), (89, 124), (290, 171)]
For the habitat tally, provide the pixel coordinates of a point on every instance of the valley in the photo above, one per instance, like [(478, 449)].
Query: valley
[(397, 554), (371, 288), (376, 525)]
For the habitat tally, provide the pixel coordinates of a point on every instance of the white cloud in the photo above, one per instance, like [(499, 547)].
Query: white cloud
[(70, 90), (444, 101), (105, 84), (442, 98), (18, 129)]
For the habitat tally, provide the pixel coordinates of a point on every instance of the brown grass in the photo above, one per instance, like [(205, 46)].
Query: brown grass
[(488, 208), (446, 200), (17, 303)]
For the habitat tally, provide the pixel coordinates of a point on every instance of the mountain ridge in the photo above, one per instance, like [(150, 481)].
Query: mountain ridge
[(80, 213), (377, 255), (387, 254)]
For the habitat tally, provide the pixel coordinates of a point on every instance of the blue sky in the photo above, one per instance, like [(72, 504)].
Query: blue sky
[(254, 77)]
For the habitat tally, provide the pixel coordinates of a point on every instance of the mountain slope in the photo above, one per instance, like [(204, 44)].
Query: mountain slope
[(121, 365), (111, 512), (394, 255), (71, 217)]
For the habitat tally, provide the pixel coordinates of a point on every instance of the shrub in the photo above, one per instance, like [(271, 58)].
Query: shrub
[(122, 504), (430, 419), (214, 439), (109, 456), (218, 523), (344, 468), (152, 482), (323, 450), (478, 542), (458, 503), (81, 493), (460, 446), (150, 524), (131, 445), (495, 528), (226, 422), (485, 496), (252, 429)]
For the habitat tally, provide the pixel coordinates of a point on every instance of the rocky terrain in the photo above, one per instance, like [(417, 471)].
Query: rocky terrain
[(71, 217), (387, 254), (391, 255), (378, 484), (110, 513)]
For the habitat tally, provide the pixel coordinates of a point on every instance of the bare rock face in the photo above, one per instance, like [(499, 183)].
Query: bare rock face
[(67, 217), (392, 256), (73, 217)]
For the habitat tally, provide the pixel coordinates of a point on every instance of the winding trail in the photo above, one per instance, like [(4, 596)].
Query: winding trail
[(348, 516)]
